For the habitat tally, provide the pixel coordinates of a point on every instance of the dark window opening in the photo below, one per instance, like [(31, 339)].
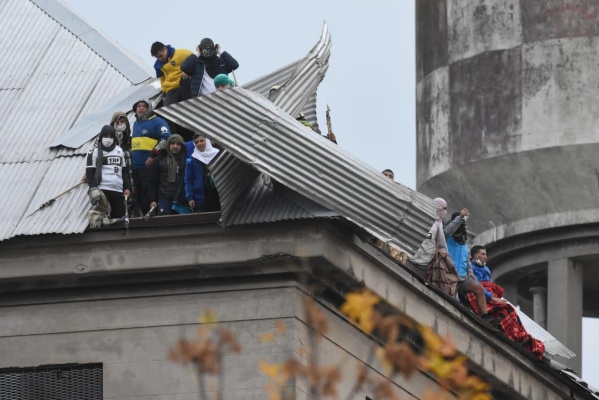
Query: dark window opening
[(58, 382)]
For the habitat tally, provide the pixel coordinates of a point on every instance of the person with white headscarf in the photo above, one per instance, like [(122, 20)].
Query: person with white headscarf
[(435, 239), (200, 187)]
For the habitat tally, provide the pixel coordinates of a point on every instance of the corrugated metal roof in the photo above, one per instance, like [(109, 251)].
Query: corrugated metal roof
[(266, 201), (88, 127), (66, 71), (127, 63), (271, 141), (263, 85), (552, 345), (264, 135), (233, 177)]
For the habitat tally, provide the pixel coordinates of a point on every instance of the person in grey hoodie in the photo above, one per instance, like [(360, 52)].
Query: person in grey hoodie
[(435, 238)]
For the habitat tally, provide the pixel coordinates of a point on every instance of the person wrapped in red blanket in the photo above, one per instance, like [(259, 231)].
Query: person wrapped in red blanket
[(510, 323)]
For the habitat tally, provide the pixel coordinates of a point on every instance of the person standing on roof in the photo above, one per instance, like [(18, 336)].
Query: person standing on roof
[(168, 69), (166, 177), (107, 170), (389, 174), (200, 188), (150, 133), (208, 61)]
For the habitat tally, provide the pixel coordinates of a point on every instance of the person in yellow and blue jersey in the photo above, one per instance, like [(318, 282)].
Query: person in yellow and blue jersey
[(168, 69), (150, 133)]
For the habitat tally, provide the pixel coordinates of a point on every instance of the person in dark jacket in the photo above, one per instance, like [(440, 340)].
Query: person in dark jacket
[(203, 66), (165, 176), (200, 188)]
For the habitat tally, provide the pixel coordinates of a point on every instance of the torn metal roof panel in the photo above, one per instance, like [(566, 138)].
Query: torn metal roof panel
[(263, 85), (270, 140), (233, 177), (266, 201), (89, 126)]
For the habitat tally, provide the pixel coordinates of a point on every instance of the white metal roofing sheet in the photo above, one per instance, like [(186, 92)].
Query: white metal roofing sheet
[(267, 138)]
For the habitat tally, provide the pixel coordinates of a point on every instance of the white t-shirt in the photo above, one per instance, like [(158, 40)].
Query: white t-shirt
[(113, 163), (207, 86)]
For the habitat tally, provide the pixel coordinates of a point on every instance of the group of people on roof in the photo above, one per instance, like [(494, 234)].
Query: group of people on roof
[(444, 260), (156, 166)]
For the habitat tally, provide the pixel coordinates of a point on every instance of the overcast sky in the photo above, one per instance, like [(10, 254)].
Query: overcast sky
[(370, 84)]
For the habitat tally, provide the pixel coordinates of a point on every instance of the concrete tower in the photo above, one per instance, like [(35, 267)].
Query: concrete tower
[(508, 102)]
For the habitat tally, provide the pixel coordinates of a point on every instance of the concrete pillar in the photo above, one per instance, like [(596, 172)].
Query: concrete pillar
[(539, 305), (564, 306)]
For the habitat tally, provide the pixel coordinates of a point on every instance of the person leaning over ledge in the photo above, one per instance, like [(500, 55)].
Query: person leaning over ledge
[(168, 69)]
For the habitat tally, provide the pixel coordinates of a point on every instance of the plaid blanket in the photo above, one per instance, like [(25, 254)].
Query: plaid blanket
[(510, 323)]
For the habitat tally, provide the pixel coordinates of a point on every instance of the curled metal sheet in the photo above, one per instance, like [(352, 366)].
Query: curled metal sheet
[(260, 134)]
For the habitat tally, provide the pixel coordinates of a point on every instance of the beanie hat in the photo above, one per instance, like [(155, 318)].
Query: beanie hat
[(107, 130), (223, 79), (206, 42)]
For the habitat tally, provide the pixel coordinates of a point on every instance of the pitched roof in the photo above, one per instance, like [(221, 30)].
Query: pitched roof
[(66, 71)]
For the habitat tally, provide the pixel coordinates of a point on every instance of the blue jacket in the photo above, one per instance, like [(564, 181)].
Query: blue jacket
[(459, 254), (194, 67), (147, 139), (483, 274), (194, 180)]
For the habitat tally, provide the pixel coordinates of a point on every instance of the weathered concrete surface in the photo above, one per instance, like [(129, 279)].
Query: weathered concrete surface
[(432, 99), (485, 116), (519, 145), (547, 19), (119, 318), (431, 33), (478, 26), (564, 305), (559, 104)]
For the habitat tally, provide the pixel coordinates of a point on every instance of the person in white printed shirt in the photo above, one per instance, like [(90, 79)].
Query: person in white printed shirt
[(107, 171)]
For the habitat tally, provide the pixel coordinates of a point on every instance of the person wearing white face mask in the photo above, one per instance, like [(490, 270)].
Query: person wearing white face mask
[(107, 171), (122, 128)]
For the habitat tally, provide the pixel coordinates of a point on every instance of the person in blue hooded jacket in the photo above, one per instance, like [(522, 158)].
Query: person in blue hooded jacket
[(459, 253), (200, 189)]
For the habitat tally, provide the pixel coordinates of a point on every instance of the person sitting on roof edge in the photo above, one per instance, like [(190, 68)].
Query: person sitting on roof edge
[(150, 133), (200, 188), (107, 171), (166, 178), (222, 82), (456, 234), (168, 69), (510, 323), (204, 65)]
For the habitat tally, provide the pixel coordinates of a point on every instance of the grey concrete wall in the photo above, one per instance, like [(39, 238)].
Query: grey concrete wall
[(507, 110), (131, 334), (507, 104)]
